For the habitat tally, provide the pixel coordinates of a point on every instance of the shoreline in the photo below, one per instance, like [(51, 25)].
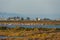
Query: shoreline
[(31, 22)]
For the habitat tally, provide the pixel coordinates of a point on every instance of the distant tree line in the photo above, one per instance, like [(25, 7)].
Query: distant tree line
[(27, 18)]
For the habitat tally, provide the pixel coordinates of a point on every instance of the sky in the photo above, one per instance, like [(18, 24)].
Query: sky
[(30, 8)]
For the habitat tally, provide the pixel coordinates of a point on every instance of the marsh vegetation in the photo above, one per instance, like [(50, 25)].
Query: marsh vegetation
[(21, 33)]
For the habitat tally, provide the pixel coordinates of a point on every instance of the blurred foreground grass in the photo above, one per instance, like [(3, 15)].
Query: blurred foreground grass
[(30, 33)]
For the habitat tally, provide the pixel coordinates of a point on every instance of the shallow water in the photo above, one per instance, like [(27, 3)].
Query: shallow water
[(2, 37), (32, 26)]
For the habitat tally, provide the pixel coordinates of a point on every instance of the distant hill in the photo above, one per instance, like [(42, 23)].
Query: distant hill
[(5, 15)]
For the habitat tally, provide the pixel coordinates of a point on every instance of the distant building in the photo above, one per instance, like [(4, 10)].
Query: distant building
[(1, 19), (38, 19), (14, 18), (58, 19), (10, 18), (47, 19)]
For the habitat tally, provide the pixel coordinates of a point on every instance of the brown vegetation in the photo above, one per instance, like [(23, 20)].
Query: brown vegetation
[(31, 22), (31, 33)]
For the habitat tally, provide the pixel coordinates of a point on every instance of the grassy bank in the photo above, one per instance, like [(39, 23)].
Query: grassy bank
[(30, 33)]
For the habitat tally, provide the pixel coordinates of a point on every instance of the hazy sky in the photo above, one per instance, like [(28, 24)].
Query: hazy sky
[(32, 8)]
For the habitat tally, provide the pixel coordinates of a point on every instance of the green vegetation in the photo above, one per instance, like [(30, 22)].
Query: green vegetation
[(3, 28)]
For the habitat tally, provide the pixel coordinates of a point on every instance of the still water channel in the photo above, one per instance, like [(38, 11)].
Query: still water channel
[(32, 26), (28, 26)]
